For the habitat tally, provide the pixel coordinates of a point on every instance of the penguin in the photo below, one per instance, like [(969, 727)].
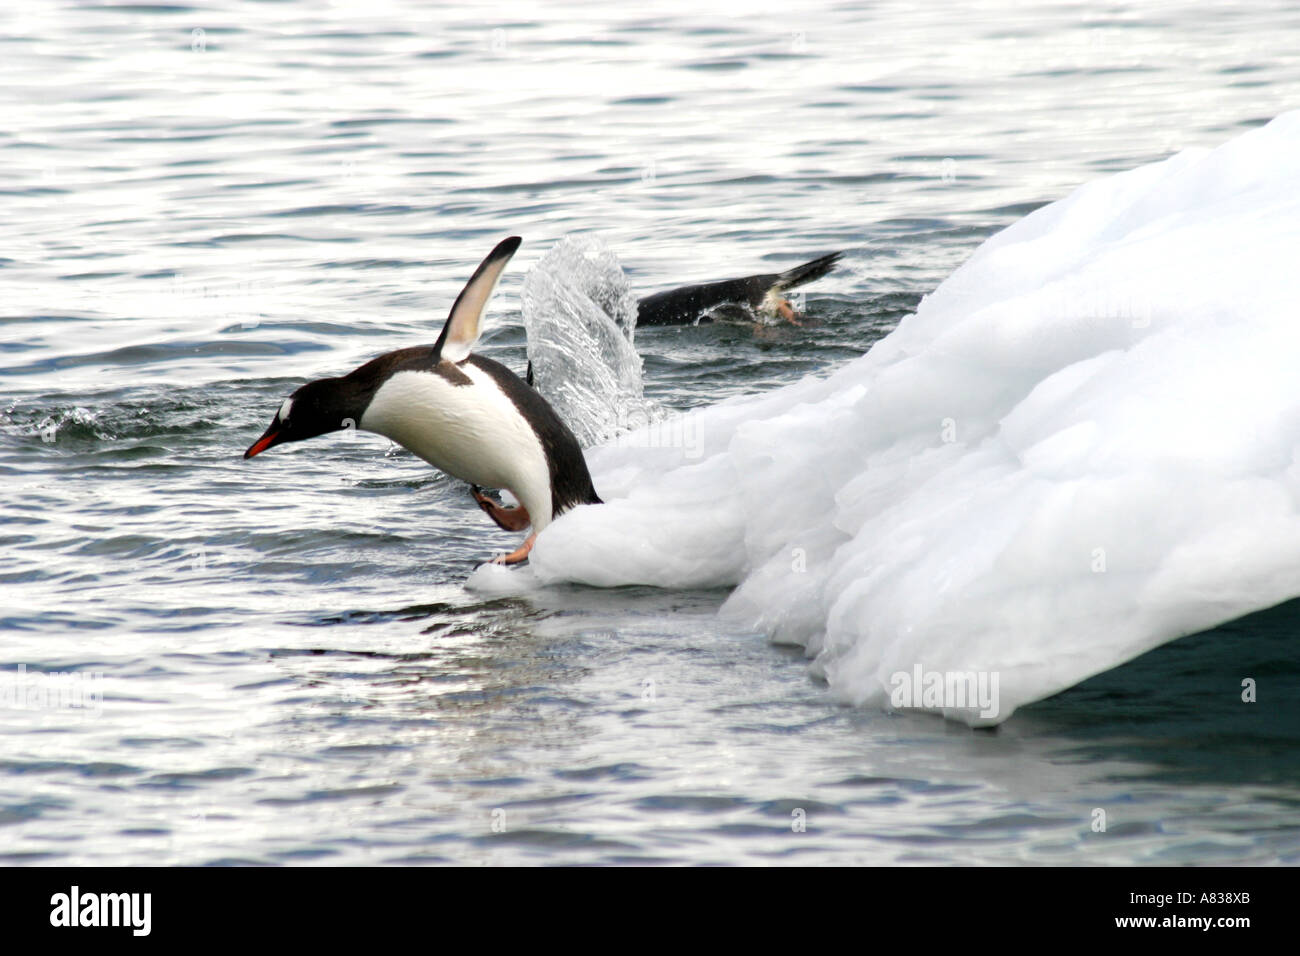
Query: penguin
[(464, 414), (754, 295)]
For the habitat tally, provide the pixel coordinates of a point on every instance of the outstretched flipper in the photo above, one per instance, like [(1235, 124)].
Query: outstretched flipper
[(462, 328), (761, 294), (808, 272)]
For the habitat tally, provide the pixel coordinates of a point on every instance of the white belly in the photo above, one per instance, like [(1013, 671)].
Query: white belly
[(472, 432)]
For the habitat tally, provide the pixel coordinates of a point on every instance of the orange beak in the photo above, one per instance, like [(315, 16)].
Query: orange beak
[(271, 437)]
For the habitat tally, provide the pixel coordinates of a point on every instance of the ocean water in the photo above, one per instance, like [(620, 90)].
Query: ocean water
[(278, 661)]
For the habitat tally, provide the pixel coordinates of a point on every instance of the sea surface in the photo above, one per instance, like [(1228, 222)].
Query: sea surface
[(206, 660)]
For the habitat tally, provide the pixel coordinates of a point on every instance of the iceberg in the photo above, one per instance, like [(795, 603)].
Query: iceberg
[(1082, 445)]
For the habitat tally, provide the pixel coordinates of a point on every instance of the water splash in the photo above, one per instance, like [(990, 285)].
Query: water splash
[(580, 316)]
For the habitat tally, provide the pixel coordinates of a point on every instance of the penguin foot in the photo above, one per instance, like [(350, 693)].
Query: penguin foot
[(786, 311), (519, 554), (507, 519)]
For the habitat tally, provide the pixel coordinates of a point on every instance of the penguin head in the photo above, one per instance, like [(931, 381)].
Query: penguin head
[(331, 404), (316, 408)]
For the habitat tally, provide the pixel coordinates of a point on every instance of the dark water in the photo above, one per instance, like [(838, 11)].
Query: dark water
[(290, 669)]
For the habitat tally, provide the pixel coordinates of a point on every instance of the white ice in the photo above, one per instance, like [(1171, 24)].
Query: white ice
[(1082, 445)]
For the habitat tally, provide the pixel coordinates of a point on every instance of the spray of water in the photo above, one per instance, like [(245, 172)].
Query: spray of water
[(580, 316)]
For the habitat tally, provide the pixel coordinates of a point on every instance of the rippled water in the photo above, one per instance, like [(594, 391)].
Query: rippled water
[(205, 206)]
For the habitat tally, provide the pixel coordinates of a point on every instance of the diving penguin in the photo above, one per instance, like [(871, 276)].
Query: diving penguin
[(464, 414), (753, 295)]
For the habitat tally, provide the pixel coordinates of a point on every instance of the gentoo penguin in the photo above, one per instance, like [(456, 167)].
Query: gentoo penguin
[(462, 413), (755, 295)]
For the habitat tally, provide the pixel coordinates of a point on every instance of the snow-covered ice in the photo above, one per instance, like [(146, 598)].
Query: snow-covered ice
[(1082, 445)]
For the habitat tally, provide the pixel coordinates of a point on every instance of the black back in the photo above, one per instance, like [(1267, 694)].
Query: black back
[(570, 480), (685, 305)]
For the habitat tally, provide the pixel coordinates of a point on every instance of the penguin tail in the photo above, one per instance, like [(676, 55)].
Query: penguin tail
[(809, 271)]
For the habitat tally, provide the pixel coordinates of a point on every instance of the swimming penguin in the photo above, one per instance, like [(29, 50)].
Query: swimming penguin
[(755, 295), (464, 414)]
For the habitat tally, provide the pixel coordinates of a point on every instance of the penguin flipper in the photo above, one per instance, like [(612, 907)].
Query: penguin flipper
[(462, 328), (808, 272)]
